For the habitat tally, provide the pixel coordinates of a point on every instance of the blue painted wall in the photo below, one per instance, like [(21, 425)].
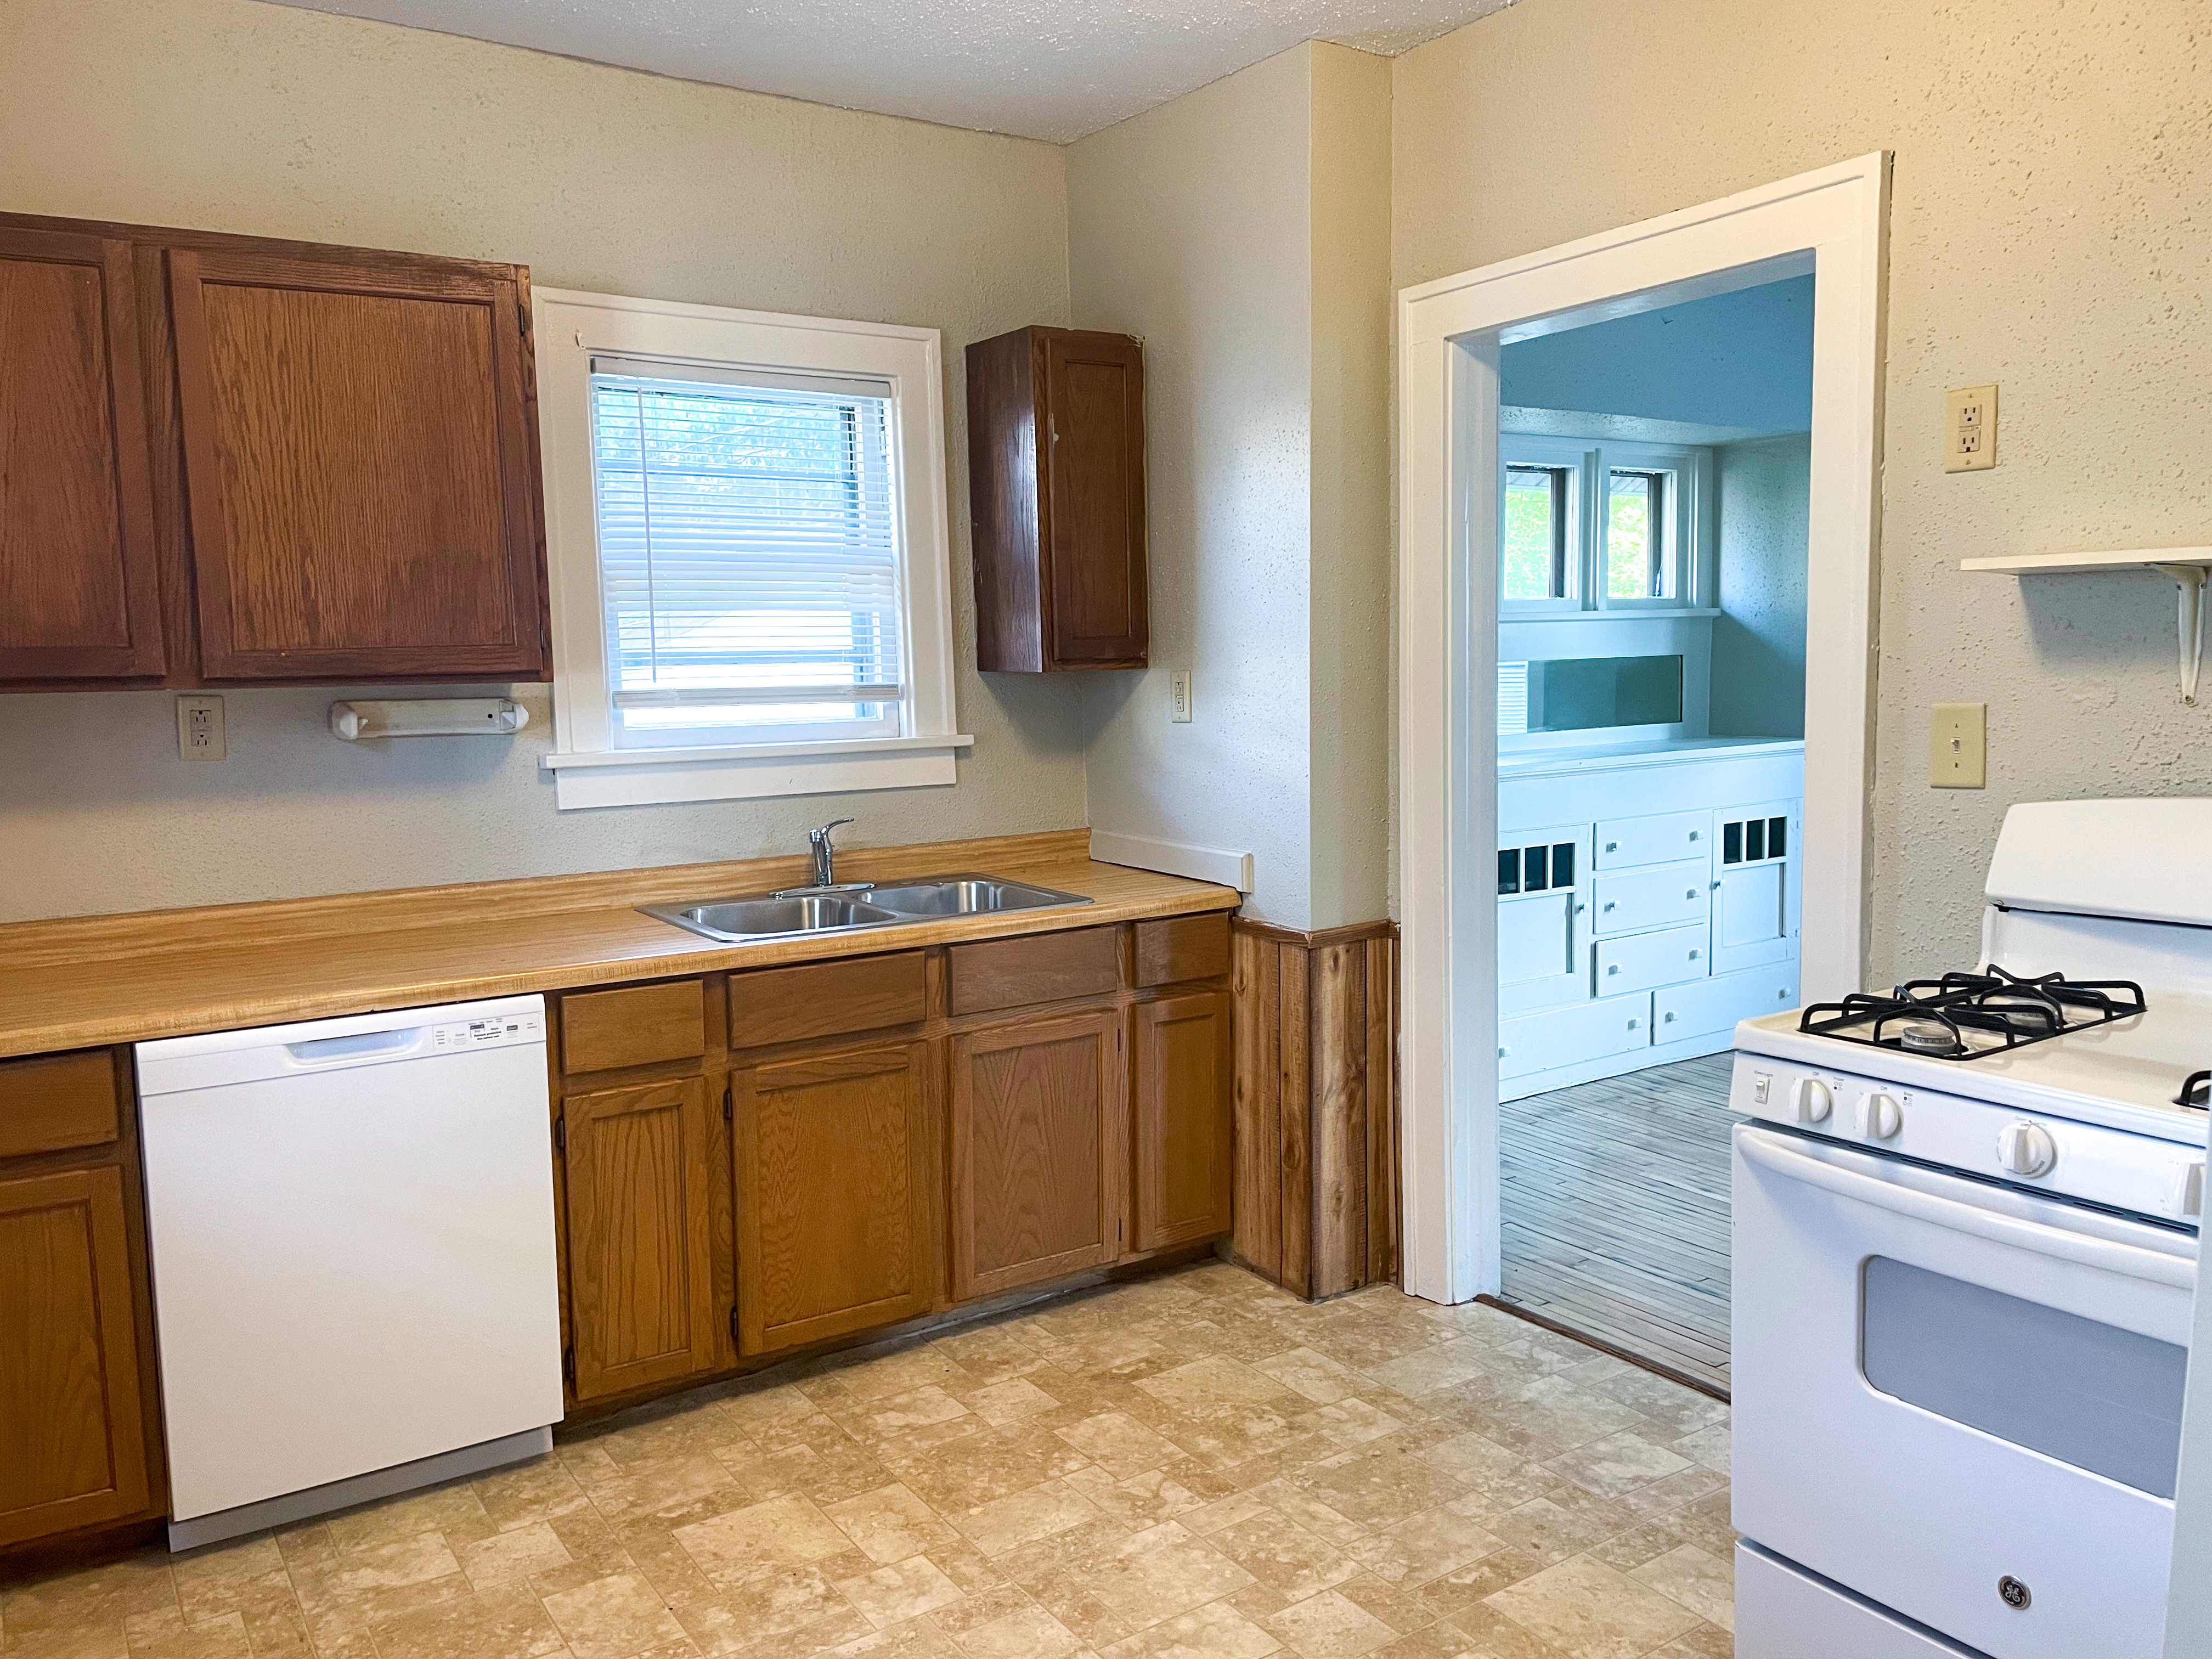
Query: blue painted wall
[(1741, 360)]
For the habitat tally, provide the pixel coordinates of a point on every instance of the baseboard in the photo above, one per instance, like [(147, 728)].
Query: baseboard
[(1174, 858), (1636, 1059)]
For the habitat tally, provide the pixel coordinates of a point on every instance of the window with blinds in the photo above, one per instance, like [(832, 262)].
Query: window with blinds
[(749, 555)]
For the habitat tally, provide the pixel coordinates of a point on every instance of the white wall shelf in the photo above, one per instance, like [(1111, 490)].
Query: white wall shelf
[(2187, 566)]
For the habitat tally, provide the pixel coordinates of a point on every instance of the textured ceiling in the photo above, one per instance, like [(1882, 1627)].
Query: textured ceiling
[(1043, 68)]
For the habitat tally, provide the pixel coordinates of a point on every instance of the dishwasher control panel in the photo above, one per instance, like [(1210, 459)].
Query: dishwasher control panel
[(492, 1031)]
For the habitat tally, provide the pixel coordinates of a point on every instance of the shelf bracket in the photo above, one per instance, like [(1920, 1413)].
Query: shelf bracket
[(2189, 579)]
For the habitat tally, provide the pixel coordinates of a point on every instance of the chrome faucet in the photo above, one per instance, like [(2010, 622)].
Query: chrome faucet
[(825, 873)]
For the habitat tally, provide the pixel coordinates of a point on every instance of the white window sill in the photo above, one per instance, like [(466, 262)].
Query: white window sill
[(649, 777)]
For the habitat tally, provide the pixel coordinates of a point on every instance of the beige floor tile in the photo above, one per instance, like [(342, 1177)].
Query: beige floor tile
[(1118, 1443), (878, 1419), (1010, 1400), (1376, 1485), (990, 1464), (1706, 1642), (1277, 1551), (916, 1639), (1330, 1525), (214, 1580), (892, 1594), (496, 1624), (1618, 1465), (1216, 1631), (1315, 1375), (393, 1519), (1703, 1583), (1159, 1572), (1423, 1546), (1023, 1517), (1330, 1626), (1349, 1422), (1023, 1633), (1207, 1384), (165, 1635), (507, 1556), (1588, 1611), (1670, 1404), (889, 1523), (1486, 1633), (89, 1597), (1708, 1447), (780, 1602), (616, 1618), (782, 1533), (1425, 1371), (1139, 1502)]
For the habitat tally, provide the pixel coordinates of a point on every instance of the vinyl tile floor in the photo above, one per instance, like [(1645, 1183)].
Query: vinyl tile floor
[(1196, 1466)]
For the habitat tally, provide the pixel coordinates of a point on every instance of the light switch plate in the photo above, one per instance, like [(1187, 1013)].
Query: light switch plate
[(199, 729), (1958, 746), (1970, 430), (1179, 696)]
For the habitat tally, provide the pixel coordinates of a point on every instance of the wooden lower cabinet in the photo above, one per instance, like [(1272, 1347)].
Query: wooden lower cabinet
[(641, 1169), (1037, 1114), (73, 1449), (1179, 1112), (836, 1194)]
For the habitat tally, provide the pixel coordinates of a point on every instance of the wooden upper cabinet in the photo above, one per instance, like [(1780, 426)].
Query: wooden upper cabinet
[(1056, 464), (80, 583), (358, 441), (837, 1215), (73, 1449), (1038, 1109), (1180, 1120)]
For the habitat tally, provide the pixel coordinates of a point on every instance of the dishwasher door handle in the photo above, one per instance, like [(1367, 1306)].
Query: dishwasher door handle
[(321, 1051)]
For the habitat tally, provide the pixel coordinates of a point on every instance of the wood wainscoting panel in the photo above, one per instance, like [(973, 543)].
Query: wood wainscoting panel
[(1316, 1103)]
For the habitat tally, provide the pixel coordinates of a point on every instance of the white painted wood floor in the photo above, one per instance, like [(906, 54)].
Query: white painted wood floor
[(1616, 1212)]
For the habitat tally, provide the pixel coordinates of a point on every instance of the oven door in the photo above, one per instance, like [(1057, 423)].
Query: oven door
[(1959, 1400)]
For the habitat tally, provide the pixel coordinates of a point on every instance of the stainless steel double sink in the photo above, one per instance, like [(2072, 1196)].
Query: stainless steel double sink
[(852, 906)]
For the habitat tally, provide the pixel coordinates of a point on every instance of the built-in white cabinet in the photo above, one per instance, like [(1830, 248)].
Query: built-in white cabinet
[(1648, 899)]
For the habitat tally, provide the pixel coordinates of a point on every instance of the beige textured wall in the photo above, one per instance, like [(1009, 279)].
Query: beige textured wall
[(2049, 231), (231, 115)]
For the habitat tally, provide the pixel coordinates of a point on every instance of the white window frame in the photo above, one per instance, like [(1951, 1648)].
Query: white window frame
[(1691, 529), (588, 769)]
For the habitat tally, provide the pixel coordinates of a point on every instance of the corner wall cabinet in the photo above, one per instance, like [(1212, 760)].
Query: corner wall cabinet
[(1056, 488), (261, 462), (1646, 902)]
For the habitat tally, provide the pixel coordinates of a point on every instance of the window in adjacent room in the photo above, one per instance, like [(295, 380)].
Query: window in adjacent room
[(749, 554), (1594, 525)]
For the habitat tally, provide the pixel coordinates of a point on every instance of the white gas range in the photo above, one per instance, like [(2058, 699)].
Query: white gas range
[(1966, 1241)]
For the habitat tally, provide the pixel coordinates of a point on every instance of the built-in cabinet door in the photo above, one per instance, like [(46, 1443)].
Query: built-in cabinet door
[(72, 1425), (1037, 1110), (835, 1223), (1180, 1120), (1543, 917), (357, 434), (1756, 885), (639, 1165), (1094, 448), (79, 592)]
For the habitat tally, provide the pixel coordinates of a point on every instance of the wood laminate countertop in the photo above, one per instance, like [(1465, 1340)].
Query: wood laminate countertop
[(79, 982)]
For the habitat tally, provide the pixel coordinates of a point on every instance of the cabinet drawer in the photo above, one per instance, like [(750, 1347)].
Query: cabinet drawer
[(1714, 1004), (1664, 896), (602, 1030), (1182, 948), (1656, 839), (789, 1004), (1006, 973), (1640, 961), (1589, 1030), (50, 1103)]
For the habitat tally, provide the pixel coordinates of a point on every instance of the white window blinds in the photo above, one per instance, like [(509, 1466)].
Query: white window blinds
[(749, 554)]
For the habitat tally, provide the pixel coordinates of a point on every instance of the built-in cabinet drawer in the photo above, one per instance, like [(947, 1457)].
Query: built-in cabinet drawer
[(1640, 961), (1707, 1006), (638, 1025), (1659, 839), (1182, 948), (1008, 972), (826, 999), (1561, 1037), (51, 1102), (1664, 896)]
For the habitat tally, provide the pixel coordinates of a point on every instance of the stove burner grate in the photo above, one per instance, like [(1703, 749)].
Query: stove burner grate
[(2196, 1091), (1968, 1016)]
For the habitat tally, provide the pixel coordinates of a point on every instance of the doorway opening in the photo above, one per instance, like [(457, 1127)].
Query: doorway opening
[(1655, 477)]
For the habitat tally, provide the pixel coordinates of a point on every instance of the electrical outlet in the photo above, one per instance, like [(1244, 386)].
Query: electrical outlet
[(199, 729), (1970, 430), (1179, 696), (1958, 746)]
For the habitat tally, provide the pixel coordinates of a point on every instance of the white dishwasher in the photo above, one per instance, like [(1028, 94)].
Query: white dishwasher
[(354, 1286)]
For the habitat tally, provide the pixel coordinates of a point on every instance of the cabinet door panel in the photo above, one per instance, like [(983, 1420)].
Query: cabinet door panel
[(834, 1219), (312, 392), (1180, 1120), (72, 1426), (79, 592), (639, 1165), (1094, 395), (1037, 1110)]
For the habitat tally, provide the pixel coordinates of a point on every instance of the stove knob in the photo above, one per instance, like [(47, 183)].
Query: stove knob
[(2026, 1149), (1811, 1100), (1880, 1116)]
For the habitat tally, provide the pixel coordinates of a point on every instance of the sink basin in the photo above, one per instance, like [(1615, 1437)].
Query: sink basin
[(966, 895), (778, 917), (793, 913)]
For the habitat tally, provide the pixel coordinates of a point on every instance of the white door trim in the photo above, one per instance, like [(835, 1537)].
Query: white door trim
[(1832, 222)]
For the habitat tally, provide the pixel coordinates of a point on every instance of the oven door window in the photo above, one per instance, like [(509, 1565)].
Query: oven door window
[(2089, 1395)]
